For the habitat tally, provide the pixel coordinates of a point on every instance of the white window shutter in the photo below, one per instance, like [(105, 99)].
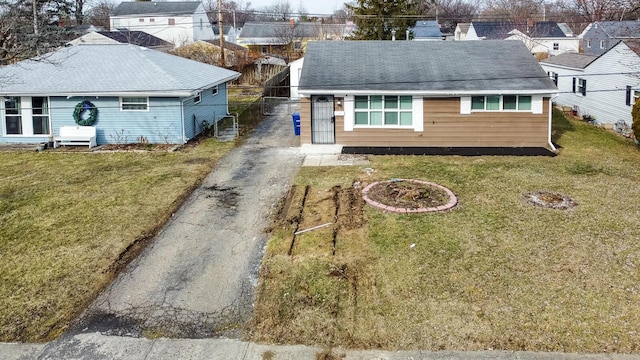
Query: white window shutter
[(349, 112), (537, 104), (465, 105), (418, 113)]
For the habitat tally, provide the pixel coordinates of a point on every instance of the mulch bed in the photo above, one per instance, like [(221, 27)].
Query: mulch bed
[(408, 194)]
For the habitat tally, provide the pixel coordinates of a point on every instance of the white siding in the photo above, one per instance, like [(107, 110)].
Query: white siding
[(607, 82), (295, 69)]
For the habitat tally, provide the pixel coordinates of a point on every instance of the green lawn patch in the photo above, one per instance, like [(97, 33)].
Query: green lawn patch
[(70, 221), (496, 272)]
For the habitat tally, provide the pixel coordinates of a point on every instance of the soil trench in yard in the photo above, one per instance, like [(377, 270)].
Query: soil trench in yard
[(340, 207)]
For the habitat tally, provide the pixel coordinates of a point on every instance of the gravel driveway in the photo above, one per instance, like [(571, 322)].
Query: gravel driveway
[(197, 278)]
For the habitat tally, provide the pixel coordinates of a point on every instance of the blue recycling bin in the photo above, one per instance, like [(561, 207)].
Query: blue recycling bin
[(296, 123)]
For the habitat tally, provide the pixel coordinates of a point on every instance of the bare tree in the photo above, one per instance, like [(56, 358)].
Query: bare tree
[(601, 10), (99, 14), (516, 11), (452, 12), (279, 11)]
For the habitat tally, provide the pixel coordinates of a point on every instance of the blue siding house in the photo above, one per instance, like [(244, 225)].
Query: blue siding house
[(600, 36), (141, 95)]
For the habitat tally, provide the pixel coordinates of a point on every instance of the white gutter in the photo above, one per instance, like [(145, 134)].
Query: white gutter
[(553, 148), (445, 93)]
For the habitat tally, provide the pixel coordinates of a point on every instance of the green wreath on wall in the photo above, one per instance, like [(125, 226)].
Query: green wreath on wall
[(80, 110)]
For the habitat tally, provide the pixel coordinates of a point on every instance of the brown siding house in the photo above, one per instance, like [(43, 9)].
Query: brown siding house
[(382, 94)]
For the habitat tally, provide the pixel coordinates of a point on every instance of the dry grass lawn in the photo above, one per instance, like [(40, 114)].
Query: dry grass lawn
[(493, 273), (66, 219)]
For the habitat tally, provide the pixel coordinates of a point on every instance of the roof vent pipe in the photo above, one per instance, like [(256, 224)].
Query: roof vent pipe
[(393, 35), (407, 35)]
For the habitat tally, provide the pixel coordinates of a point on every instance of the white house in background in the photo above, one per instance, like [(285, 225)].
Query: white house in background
[(295, 70), (178, 22), (604, 87), (549, 43)]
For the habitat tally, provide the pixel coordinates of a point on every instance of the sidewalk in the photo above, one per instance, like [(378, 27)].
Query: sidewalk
[(97, 346)]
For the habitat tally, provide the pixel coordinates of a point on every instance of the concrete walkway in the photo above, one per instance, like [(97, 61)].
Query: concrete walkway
[(196, 280)]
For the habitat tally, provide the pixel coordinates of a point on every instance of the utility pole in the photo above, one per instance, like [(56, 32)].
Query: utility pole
[(221, 32)]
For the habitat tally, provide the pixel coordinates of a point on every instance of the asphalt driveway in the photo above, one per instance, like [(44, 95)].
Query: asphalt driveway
[(197, 278)]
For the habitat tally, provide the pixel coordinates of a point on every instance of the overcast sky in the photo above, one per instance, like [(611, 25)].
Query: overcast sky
[(311, 6)]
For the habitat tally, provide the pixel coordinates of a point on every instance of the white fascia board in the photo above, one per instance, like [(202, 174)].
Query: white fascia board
[(563, 67), (447, 93)]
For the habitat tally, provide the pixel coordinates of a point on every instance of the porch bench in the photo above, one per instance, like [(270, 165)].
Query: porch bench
[(76, 135)]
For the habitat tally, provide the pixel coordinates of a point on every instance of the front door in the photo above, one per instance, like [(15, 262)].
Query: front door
[(322, 120)]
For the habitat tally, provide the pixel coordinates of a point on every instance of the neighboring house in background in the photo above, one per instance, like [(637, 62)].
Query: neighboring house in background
[(386, 94), (566, 29), (230, 33), (460, 33), (209, 52), (546, 37), (178, 22), (288, 39), (604, 87), (139, 38), (489, 30), (426, 30), (295, 70), (543, 38), (601, 36), (141, 94)]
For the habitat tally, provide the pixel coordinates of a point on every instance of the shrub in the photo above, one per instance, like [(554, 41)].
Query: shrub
[(635, 115)]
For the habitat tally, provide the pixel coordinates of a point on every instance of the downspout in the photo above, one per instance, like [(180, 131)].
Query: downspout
[(184, 135), (553, 148)]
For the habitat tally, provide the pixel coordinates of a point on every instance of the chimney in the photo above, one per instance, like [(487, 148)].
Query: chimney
[(292, 23)]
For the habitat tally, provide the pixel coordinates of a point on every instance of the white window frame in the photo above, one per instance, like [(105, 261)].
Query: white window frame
[(152, 20), (501, 104), (197, 98), (635, 95), (417, 105), (123, 104), (589, 44), (25, 112), (581, 88), (553, 76), (171, 21), (601, 44), (382, 110), (556, 46), (141, 20), (297, 45), (214, 90)]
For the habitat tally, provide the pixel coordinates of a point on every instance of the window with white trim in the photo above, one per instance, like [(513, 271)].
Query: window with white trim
[(40, 115), (152, 20), (636, 96), (171, 21), (197, 98), (26, 115), (214, 91), (556, 46), (141, 20), (13, 115), (602, 44), (501, 103), (297, 45), (580, 86), (588, 43), (134, 103), (553, 76), (383, 110)]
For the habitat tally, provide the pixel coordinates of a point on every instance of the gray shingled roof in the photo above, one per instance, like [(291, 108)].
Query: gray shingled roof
[(570, 60), (427, 29), (184, 8), (139, 38), (621, 29), (422, 66), (492, 30), (110, 70)]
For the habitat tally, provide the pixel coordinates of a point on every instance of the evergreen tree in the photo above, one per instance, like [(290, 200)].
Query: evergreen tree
[(376, 19)]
